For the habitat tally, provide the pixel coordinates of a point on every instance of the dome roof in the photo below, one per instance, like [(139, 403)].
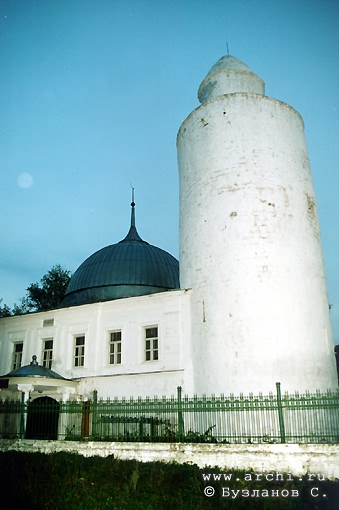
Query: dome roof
[(229, 75), (227, 62), (129, 268), (34, 370)]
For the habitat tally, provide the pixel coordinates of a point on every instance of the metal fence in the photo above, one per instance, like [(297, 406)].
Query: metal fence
[(276, 418)]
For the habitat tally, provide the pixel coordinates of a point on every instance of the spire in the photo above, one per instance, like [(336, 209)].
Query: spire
[(133, 233), (133, 210)]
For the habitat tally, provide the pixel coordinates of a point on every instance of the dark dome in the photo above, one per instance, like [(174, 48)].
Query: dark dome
[(129, 268), (34, 370)]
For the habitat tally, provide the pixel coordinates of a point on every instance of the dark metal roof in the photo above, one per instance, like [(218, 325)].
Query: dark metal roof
[(33, 370), (129, 268)]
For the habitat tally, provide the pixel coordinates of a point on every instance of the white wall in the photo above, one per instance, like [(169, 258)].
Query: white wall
[(250, 249), (134, 376), (298, 460)]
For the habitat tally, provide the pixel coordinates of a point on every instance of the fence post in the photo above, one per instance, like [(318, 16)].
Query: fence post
[(180, 417), (94, 413), (23, 406), (280, 414)]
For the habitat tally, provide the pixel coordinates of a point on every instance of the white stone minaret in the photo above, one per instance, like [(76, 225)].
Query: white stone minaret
[(249, 242)]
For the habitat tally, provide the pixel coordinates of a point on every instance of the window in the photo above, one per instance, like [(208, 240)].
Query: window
[(47, 352), (151, 338), (47, 322), (79, 351), (115, 348), (17, 355)]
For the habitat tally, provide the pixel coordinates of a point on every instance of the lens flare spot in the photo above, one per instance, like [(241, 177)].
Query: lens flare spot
[(25, 180)]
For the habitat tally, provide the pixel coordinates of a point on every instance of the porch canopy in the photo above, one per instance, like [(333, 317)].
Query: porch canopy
[(34, 377)]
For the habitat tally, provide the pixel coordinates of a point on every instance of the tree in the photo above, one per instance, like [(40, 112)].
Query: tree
[(5, 311), (41, 297), (49, 293), (19, 309)]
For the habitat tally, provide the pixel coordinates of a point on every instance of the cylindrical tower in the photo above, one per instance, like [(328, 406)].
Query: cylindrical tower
[(249, 242)]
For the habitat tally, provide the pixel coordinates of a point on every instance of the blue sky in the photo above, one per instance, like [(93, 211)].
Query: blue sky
[(92, 94)]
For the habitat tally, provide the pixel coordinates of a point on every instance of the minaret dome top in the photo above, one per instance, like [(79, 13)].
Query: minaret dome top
[(228, 76)]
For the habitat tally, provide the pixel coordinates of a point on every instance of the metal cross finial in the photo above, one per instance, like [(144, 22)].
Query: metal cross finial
[(132, 203), (133, 210)]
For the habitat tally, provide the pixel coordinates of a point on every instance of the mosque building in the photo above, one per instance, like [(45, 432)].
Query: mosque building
[(248, 307)]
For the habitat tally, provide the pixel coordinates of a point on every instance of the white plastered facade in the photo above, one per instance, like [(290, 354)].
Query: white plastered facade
[(250, 243), (134, 376)]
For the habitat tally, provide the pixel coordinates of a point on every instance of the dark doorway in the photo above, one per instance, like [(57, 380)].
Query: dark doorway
[(42, 419)]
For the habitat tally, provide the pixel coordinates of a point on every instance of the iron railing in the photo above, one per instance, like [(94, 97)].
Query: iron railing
[(275, 418)]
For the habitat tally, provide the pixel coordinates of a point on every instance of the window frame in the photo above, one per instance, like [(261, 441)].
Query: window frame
[(151, 345), (47, 353), (17, 355), (79, 351), (116, 354)]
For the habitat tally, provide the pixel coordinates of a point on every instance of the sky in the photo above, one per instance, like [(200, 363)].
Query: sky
[(92, 94)]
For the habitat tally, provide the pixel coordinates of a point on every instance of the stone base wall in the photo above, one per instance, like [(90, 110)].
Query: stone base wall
[(320, 460)]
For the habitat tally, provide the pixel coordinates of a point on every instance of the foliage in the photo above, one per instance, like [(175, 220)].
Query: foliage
[(46, 295), (5, 311), (20, 308), (64, 481), (49, 294)]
